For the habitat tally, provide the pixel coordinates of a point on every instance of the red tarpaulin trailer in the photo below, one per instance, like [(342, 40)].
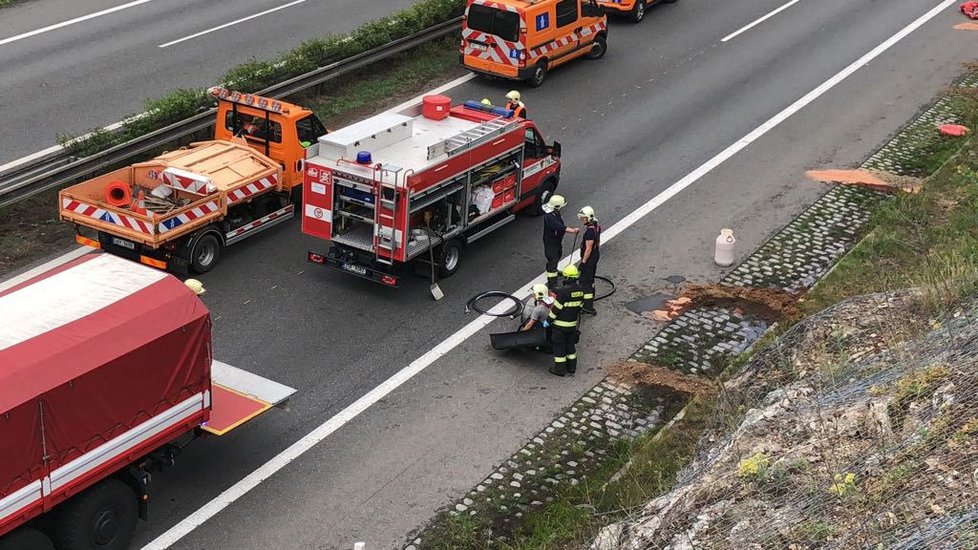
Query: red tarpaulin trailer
[(103, 361)]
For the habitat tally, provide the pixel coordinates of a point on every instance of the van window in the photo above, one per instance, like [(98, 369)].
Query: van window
[(309, 129), (566, 12), (252, 126), (504, 24)]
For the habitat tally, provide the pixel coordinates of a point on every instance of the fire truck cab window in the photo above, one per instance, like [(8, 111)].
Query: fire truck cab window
[(309, 129), (504, 24), (535, 147), (254, 127), (566, 12)]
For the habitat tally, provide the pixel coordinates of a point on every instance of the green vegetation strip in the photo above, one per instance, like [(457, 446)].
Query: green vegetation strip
[(258, 74)]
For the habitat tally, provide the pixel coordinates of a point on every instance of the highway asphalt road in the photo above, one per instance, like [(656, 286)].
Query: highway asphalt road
[(667, 98), (95, 72)]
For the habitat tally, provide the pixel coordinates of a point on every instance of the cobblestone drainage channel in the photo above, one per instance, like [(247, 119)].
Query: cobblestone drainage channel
[(588, 437)]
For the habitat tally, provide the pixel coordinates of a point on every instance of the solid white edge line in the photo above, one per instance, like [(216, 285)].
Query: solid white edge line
[(71, 22), (276, 463), (63, 259), (441, 89), (759, 21), (231, 23)]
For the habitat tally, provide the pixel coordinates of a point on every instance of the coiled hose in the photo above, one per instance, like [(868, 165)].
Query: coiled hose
[(518, 304)]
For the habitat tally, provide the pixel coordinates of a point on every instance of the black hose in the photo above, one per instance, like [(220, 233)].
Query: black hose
[(609, 281), (516, 310)]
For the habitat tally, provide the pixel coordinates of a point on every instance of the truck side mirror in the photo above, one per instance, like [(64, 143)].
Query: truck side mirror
[(555, 149)]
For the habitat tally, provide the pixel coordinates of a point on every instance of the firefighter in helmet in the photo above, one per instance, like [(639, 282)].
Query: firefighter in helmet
[(196, 286), (590, 253), (514, 104), (554, 229), (542, 300), (563, 322)]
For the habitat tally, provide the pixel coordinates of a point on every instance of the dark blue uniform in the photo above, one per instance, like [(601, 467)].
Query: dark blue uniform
[(588, 270), (553, 244)]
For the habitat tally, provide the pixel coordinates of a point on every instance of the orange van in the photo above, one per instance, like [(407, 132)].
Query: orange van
[(634, 9), (523, 39)]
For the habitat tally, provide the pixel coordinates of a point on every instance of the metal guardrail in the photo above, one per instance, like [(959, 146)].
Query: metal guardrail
[(62, 167)]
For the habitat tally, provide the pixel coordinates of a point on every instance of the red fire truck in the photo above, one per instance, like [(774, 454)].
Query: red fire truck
[(106, 373), (421, 185)]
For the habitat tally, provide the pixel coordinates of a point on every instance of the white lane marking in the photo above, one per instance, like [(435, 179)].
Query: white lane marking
[(759, 21), (72, 21), (65, 258), (235, 22), (308, 441)]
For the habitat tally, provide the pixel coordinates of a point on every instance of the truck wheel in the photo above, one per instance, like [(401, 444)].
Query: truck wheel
[(205, 254), (638, 12), (539, 74), (26, 538), (449, 258), (101, 518), (546, 191), (598, 48)]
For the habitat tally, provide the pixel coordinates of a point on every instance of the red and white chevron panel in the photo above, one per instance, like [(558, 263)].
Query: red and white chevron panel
[(546, 49), (252, 189), (497, 50), (194, 213), (260, 221), (108, 216), (186, 181)]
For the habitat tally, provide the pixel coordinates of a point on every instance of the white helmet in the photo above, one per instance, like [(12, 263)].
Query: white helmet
[(587, 213), (540, 291), (556, 202), (513, 95), (195, 285)]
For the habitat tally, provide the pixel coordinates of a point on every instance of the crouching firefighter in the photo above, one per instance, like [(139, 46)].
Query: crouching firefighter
[(563, 322)]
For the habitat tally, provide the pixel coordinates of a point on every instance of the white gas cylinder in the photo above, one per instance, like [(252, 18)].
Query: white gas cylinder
[(724, 254)]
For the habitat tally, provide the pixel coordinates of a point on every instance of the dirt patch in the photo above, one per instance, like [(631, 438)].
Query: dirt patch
[(641, 374), (30, 230), (875, 179), (769, 304)]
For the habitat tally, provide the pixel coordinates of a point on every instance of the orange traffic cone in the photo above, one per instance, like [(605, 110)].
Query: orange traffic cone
[(139, 205)]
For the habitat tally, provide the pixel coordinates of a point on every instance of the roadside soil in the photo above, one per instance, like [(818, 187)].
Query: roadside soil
[(767, 303), (637, 375)]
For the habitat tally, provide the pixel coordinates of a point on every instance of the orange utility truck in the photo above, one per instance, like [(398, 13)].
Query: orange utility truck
[(179, 210), (523, 39), (635, 10)]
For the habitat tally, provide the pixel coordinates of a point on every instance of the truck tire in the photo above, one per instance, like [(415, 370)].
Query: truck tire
[(539, 75), (598, 48), (26, 538), (546, 191), (102, 518), (638, 12), (206, 252), (449, 258)]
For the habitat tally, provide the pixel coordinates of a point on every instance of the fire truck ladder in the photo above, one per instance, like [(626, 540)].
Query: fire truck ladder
[(473, 137), (384, 223)]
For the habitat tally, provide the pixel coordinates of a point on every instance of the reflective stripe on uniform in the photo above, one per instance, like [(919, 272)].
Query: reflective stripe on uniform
[(565, 324), (572, 356), (560, 359)]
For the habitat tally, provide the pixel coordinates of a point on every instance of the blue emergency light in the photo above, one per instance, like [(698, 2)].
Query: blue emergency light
[(498, 111)]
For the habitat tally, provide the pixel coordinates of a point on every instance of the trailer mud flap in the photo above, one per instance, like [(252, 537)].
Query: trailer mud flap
[(237, 396)]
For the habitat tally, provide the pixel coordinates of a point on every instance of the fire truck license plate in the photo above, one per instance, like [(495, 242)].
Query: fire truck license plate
[(355, 269), (123, 243)]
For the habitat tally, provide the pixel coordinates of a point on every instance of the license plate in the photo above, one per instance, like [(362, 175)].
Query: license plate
[(480, 47), (123, 243), (355, 269)]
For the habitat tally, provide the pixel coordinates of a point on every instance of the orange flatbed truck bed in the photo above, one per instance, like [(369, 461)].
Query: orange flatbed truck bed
[(215, 193)]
